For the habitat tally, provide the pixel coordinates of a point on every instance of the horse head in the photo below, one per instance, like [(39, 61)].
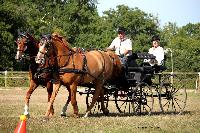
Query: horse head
[(26, 44), (43, 48), (52, 45)]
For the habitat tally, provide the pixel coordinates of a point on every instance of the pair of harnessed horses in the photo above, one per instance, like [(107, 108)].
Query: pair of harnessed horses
[(55, 63)]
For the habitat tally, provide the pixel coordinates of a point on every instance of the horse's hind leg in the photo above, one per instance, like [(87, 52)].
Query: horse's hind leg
[(32, 87), (96, 95), (103, 108), (63, 113)]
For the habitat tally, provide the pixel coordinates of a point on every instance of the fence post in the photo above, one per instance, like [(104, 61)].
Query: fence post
[(198, 83), (172, 77), (5, 77)]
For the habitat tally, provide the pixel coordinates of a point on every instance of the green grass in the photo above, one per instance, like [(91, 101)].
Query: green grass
[(12, 104)]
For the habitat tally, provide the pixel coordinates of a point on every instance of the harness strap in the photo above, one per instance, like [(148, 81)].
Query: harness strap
[(71, 70)]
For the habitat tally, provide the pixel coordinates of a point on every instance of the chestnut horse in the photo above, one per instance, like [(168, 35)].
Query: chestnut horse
[(27, 44), (74, 69)]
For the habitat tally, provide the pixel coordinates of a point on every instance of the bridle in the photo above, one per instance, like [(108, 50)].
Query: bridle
[(45, 45), (43, 49), (21, 49)]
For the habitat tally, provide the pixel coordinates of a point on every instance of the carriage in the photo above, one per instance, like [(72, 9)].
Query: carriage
[(148, 87), (140, 89)]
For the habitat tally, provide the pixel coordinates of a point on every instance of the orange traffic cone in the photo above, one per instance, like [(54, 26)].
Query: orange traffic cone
[(21, 128)]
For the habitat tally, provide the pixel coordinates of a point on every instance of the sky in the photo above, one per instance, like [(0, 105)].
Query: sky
[(180, 12)]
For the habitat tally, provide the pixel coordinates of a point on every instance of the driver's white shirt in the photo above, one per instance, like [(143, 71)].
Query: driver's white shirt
[(121, 46)]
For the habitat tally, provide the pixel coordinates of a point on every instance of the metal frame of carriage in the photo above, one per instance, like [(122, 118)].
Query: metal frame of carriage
[(165, 94)]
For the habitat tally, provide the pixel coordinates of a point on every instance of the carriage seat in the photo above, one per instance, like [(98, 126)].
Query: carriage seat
[(159, 69), (139, 74), (142, 69)]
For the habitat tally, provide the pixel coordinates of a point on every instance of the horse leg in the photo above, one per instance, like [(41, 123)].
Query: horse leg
[(50, 90), (95, 97), (103, 108), (56, 87), (63, 113), (73, 88), (32, 87)]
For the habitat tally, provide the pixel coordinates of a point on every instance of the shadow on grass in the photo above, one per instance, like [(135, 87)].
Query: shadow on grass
[(133, 114)]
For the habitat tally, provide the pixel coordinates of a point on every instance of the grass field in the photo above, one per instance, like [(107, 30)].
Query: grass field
[(12, 104)]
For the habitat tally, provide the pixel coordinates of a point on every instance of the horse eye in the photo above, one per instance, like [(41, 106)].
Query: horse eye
[(47, 46)]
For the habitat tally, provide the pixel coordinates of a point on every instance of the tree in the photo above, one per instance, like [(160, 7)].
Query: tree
[(10, 21), (184, 43), (139, 25)]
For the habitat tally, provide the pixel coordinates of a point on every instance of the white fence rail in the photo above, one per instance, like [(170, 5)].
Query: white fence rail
[(189, 74), (14, 79), (21, 78)]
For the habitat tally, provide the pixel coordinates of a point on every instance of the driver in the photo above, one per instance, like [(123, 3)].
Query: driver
[(122, 45)]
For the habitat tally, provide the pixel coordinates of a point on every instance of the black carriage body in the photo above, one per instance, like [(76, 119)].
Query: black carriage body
[(139, 73)]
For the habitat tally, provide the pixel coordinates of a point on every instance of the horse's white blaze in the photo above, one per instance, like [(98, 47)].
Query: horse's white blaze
[(17, 55), (40, 54)]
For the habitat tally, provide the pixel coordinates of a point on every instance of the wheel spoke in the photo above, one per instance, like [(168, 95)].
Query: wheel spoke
[(172, 98)]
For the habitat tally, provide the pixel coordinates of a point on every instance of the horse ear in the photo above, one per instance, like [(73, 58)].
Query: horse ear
[(46, 36), (19, 32), (43, 36), (55, 34)]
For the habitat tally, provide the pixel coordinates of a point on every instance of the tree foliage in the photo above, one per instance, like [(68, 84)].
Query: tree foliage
[(78, 21)]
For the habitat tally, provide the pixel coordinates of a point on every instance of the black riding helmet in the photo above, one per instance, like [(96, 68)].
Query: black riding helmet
[(155, 38), (121, 29)]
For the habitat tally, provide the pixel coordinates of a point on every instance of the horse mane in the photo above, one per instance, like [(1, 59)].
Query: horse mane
[(60, 38), (30, 37), (33, 39)]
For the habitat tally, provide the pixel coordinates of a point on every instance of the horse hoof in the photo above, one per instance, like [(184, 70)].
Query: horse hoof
[(27, 116), (45, 119), (63, 115), (76, 116), (86, 115), (106, 112)]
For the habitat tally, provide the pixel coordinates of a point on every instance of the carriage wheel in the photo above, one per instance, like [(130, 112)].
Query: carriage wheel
[(172, 95), (123, 101), (143, 99), (137, 100), (97, 106)]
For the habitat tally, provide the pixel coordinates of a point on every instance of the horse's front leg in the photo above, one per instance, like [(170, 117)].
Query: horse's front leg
[(73, 88), (56, 87), (50, 90), (33, 85), (63, 113)]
